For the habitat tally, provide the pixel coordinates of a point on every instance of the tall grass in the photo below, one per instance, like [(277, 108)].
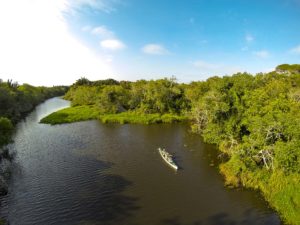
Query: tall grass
[(71, 114), (82, 113), (281, 190)]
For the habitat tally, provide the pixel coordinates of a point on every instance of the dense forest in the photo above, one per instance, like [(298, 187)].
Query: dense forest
[(125, 102), (17, 100), (254, 121)]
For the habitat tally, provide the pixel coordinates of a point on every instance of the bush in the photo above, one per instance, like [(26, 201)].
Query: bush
[(6, 129)]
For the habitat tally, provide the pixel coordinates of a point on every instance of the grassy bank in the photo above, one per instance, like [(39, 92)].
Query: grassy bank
[(72, 114), (280, 189), (83, 113)]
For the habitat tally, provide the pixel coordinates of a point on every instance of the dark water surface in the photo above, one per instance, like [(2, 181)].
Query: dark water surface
[(108, 174)]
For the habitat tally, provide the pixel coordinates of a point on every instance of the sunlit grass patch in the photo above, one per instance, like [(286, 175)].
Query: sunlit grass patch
[(279, 189), (82, 113), (72, 114)]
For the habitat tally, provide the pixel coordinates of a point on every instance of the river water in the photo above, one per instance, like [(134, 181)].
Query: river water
[(109, 174)]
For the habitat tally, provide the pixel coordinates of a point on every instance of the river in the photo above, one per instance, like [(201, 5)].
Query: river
[(89, 173)]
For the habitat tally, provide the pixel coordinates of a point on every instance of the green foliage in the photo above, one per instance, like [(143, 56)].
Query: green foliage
[(72, 114), (162, 96), (82, 113), (6, 129), (232, 171), (287, 156), (85, 96), (113, 99), (17, 100), (84, 81), (159, 96), (279, 189), (283, 193), (124, 102), (295, 68), (255, 121)]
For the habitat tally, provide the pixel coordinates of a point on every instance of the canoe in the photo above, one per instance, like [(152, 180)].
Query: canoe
[(168, 158)]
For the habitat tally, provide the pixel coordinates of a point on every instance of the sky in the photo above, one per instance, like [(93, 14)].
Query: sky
[(55, 42)]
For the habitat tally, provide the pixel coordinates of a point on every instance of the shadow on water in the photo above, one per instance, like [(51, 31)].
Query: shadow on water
[(248, 218), (111, 206), (178, 161), (83, 195)]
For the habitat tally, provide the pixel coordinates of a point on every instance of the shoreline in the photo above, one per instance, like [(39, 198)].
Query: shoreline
[(83, 113)]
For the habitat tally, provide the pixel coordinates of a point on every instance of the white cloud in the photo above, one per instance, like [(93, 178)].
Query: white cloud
[(112, 44), (107, 6), (249, 38), (108, 39), (155, 49), (103, 32), (37, 47), (262, 54), (295, 50)]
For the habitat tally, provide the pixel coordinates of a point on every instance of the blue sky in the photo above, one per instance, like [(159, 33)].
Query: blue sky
[(135, 39)]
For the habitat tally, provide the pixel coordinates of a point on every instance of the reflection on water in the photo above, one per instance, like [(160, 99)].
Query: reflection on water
[(93, 173)]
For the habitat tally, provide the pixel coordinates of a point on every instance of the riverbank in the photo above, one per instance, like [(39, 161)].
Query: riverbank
[(83, 113), (17, 101), (280, 190)]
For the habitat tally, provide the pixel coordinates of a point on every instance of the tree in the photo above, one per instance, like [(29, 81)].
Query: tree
[(82, 81), (113, 99)]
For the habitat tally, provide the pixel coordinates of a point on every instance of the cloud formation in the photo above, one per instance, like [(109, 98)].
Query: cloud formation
[(249, 38), (155, 49), (112, 44), (103, 32), (107, 6), (45, 53), (108, 39)]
